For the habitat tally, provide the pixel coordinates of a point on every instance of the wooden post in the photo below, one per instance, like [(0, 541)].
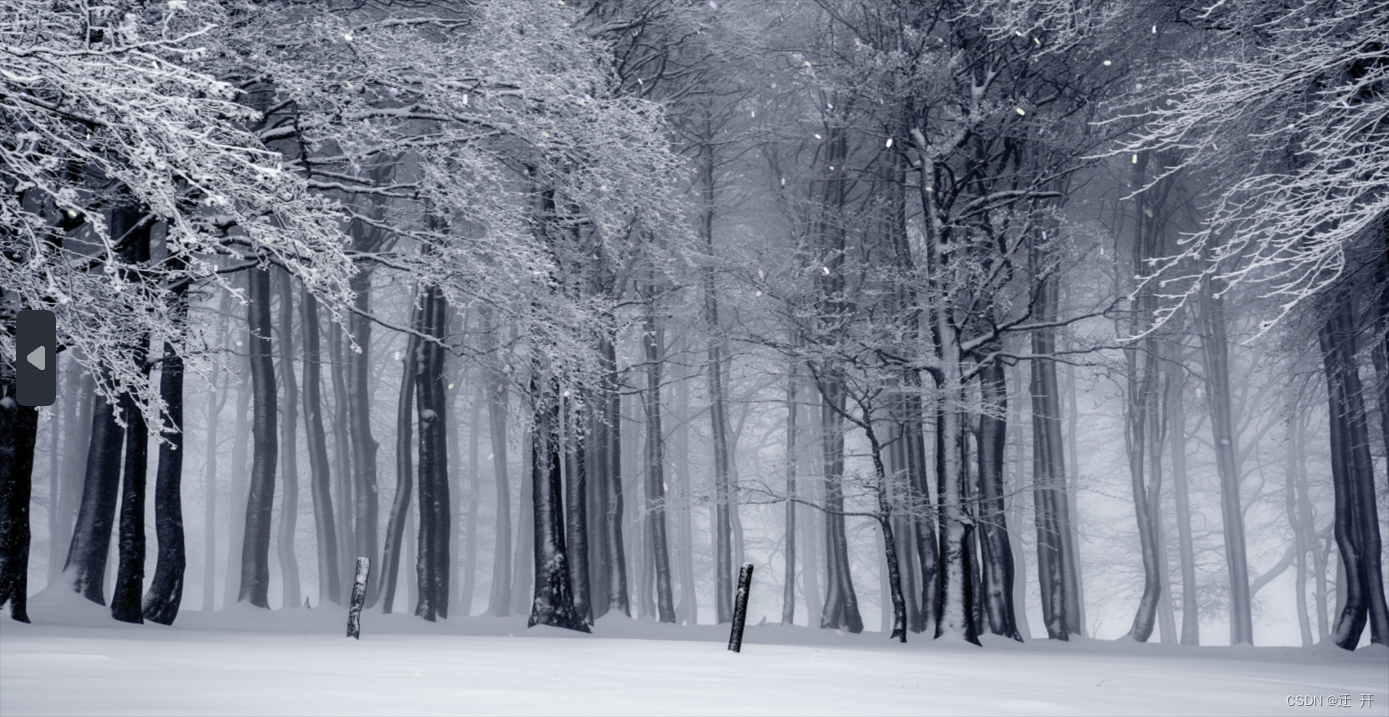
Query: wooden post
[(740, 608), (359, 598)]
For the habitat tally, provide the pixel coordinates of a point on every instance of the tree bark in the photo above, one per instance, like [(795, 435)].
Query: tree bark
[(788, 587), (499, 601), (18, 435), (165, 595), (1214, 344), (320, 479), (91, 539), (130, 545), (364, 446), (255, 555), (289, 443), (342, 456), (1356, 521), (653, 340), (576, 487), (1176, 425), (840, 610), (612, 418), (554, 602), (996, 550), (404, 467), (210, 451), (434, 560)]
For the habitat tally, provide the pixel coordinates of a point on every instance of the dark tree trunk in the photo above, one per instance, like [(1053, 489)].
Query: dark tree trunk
[(788, 587), (359, 426), (18, 434), (404, 468), (576, 487), (289, 444), (997, 554), (130, 574), (553, 603), (91, 539), (320, 479), (612, 418), (165, 594), (433, 560), (1356, 519), (655, 514), (255, 554)]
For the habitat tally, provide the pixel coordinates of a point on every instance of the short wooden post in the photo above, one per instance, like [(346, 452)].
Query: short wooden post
[(740, 608), (359, 598)]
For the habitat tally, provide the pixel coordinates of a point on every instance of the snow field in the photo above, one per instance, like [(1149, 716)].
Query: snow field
[(76, 661)]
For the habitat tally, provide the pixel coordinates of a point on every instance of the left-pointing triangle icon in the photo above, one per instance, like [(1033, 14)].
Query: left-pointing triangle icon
[(37, 357)]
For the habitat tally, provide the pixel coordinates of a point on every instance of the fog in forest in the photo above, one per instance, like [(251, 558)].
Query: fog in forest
[(1027, 319)]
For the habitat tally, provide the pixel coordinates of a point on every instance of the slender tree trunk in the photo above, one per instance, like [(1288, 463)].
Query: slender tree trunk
[(210, 450), (434, 560), (91, 538), (1215, 348), (289, 444), (320, 479), (1176, 425), (255, 556), (996, 550), (499, 601), (840, 610), (523, 563), (236, 523), (342, 456), (404, 467), (364, 485), (130, 573), (576, 486), (788, 588), (687, 610), (465, 598), (18, 435), (616, 553), (1291, 507), (653, 340), (165, 594), (77, 425)]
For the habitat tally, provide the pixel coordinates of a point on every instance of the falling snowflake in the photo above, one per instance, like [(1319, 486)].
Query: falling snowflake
[(826, 269), (397, 356), (1107, 63), (1021, 113), (817, 136), (1135, 159), (602, 187), (366, 121), (831, 105), (465, 100), (347, 37), (889, 141), (783, 181), (713, 5)]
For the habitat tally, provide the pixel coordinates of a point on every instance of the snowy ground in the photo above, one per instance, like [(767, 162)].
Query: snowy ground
[(76, 661)]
